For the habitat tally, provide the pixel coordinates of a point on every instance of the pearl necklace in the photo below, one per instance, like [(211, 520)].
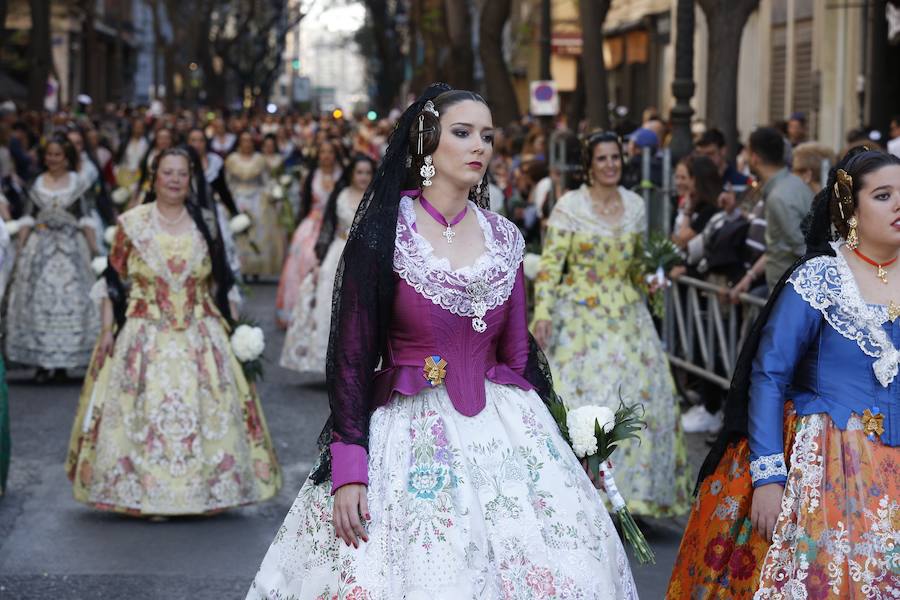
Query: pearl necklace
[(607, 208), (170, 222)]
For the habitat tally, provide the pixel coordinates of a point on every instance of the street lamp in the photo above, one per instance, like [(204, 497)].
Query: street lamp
[(683, 84)]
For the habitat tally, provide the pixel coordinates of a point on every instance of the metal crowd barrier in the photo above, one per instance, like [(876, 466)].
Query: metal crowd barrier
[(703, 332)]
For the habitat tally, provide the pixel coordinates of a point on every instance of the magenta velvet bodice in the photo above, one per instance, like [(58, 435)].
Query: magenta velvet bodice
[(474, 319)]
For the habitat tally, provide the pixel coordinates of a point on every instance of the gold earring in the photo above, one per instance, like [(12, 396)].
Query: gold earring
[(852, 234)]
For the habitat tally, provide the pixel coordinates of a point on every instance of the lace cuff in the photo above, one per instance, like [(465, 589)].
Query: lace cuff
[(768, 469)]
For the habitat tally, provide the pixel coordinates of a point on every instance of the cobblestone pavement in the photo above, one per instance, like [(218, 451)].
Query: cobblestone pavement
[(54, 548)]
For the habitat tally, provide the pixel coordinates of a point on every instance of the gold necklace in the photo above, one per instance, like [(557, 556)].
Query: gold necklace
[(893, 310)]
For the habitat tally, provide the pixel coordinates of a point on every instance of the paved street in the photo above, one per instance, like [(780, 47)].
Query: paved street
[(53, 547)]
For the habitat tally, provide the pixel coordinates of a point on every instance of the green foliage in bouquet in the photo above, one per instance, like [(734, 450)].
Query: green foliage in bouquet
[(655, 256), (629, 422)]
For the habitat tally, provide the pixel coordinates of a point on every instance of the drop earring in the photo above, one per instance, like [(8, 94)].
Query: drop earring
[(427, 171), (852, 233)]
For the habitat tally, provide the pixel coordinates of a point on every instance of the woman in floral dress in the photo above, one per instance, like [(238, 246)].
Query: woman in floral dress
[(306, 341), (51, 322), (800, 495), (301, 258), (591, 317), (262, 249), (445, 476), (167, 423)]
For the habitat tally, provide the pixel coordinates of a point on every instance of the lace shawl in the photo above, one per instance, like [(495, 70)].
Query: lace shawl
[(827, 284), (574, 213), (432, 277)]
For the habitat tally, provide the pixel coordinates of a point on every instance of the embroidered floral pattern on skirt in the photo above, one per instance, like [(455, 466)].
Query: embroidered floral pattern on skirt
[(493, 506)]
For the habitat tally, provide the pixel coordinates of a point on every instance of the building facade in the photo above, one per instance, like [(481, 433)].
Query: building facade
[(835, 62)]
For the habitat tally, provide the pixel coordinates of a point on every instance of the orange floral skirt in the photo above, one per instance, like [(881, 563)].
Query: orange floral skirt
[(838, 534)]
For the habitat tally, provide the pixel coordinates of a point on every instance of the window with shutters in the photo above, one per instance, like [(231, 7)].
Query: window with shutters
[(777, 71), (804, 86)]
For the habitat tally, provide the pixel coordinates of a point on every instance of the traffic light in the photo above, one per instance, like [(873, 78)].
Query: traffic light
[(338, 113), (372, 115), (295, 64)]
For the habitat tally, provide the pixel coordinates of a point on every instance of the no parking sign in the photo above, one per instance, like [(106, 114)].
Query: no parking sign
[(544, 98)]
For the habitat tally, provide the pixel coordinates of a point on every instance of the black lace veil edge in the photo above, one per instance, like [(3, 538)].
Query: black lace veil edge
[(365, 280), (737, 404)]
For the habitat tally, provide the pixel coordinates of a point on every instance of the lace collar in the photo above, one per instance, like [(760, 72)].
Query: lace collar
[(62, 197), (493, 273), (827, 284), (144, 230), (574, 213)]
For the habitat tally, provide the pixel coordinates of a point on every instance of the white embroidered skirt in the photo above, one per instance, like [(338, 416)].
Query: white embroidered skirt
[(485, 507)]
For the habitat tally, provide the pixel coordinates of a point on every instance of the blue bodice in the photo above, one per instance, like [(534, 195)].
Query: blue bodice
[(830, 352)]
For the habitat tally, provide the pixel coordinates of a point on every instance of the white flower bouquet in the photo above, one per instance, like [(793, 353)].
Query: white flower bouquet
[(248, 343), (109, 235), (98, 265), (594, 432), (121, 195), (531, 264), (285, 180), (277, 192), (239, 223), (12, 227)]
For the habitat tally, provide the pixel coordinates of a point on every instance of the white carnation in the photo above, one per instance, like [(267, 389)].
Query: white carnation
[(278, 192), (98, 265), (239, 223), (109, 235), (532, 265), (581, 423), (248, 343), (121, 195), (285, 180), (12, 227)]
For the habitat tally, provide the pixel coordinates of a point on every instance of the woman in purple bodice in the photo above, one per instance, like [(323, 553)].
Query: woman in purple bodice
[(443, 475)]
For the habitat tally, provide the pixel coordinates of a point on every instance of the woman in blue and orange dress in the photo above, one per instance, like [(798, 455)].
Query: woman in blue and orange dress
[(800, 496)]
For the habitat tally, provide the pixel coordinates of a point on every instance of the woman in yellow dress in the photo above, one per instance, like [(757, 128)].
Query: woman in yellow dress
[(247, 173), (592, 320), (167, 423)]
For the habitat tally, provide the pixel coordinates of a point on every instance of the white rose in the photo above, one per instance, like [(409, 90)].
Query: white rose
[(278, 192), (239, 223), (121, 195), (12, 227), (98, 265), (248, 343), (532, 265), (109, 235), (285, 180), (581, 423)]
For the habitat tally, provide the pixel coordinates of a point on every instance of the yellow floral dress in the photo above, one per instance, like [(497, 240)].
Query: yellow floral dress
[(604, 345), (169, 425)]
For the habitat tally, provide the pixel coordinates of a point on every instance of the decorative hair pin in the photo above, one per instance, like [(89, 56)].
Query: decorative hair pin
[(429, 107), (845, 195)]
